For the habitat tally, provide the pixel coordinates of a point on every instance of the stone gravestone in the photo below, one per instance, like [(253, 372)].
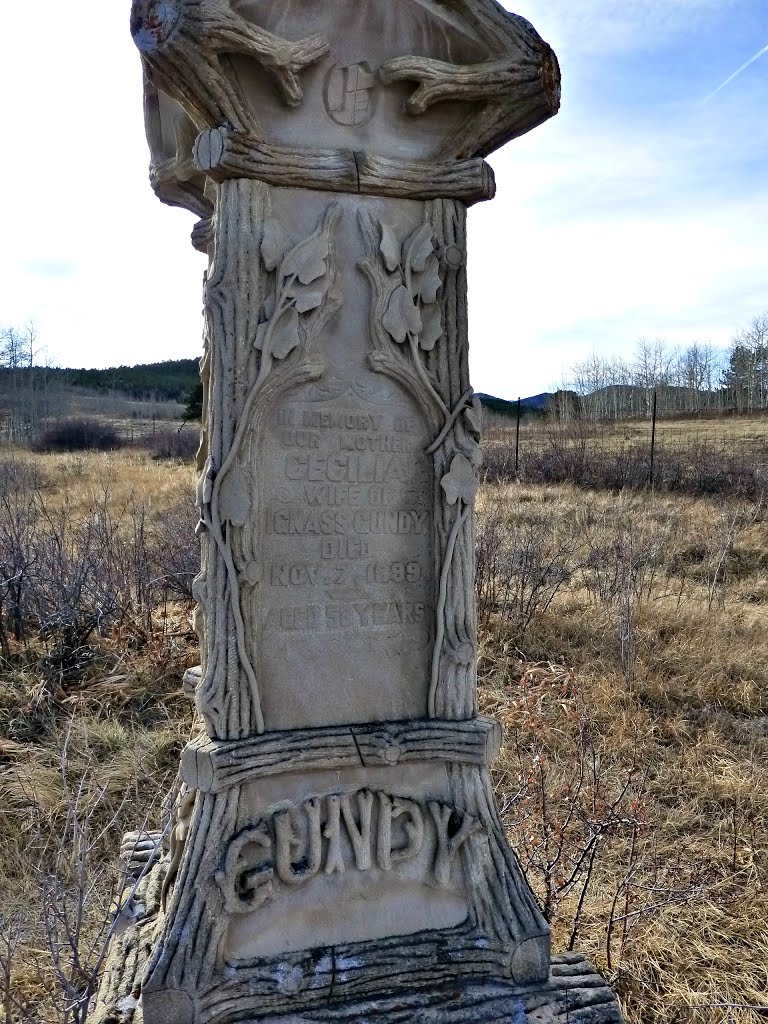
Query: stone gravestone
[(336, 853)]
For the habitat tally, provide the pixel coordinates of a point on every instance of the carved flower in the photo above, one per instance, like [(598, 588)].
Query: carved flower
[(472, 419), (429, 283), (432, 329), (301, 285), (413, 310), (205, 485), (452, 256), (307, 260), (253, 573), (460, 484), (307, 297)]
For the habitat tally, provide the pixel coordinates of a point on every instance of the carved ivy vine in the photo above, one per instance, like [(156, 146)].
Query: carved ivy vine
[(413, 314), (298, 285), (408, 282), (460, 485)]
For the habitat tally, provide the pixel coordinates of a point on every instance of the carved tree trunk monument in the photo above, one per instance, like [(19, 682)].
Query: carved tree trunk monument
[(337, 854)]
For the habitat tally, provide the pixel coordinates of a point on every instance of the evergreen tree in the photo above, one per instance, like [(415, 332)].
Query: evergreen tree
[(746, 376), (194, 407)]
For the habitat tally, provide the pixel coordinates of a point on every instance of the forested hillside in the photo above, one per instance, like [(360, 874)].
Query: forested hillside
[(169, 381)]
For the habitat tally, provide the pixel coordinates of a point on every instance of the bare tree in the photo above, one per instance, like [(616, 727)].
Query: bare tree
[(746, 376), (18, 352), (652, 369), (18, 346)]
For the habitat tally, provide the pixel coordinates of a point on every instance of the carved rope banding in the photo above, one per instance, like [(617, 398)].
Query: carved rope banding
[(214, 766), (461, 405), (222, 154)]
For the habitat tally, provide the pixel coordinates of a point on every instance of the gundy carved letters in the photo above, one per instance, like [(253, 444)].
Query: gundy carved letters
[(323, 835), (246, 880)]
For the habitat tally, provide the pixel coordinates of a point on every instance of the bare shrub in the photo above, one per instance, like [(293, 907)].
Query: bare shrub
[(731, 525), (11, 937), (578, 453), (67, 576), (520, 566), (581, 816), (166, 441), (19, 475), (564, 808), (18, 506), (77, 435), (176, 551), (60, 946)]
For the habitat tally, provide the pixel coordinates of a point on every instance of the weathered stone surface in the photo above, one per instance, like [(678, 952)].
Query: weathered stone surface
[(320, 986), (336, 852), (342, 543)]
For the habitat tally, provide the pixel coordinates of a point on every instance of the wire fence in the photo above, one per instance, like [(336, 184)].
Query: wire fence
[(705, 456)]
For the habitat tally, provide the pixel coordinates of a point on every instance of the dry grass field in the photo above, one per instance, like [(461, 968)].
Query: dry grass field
[(748, 429), (624, 646), (725, 455)]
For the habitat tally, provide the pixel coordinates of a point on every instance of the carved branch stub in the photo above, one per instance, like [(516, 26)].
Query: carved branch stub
[(336, 843)]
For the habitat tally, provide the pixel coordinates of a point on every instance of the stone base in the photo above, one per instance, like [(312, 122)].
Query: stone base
[(574, 993)]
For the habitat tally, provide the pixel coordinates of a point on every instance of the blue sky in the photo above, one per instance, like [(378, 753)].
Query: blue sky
[(641, 210)]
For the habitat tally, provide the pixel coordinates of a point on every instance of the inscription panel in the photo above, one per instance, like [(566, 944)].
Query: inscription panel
[(316, 852), (346, 591)]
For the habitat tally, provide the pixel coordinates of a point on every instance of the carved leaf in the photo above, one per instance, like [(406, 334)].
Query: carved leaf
[(472, 420), (253, 573), (307, 296), (205, 485), (261, 336), (419, 248), (307, 260), (274, 244), (433, 327), (402, 317), (285, 336), (234, 498), (390, 247), (430, 282), (460, 484)]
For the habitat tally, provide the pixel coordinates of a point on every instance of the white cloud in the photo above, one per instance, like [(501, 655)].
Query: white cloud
[(592, 28), (78, 197), (608, 225), (614, 231)]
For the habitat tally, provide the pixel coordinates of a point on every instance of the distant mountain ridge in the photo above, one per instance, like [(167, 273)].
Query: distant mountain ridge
[(505, 407), (175, 379)]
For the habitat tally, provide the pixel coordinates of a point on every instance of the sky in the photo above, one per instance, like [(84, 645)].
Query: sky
[(641, 210)]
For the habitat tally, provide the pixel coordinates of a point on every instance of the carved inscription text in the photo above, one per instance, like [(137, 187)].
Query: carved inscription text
[(346, 588), (364, 831)]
